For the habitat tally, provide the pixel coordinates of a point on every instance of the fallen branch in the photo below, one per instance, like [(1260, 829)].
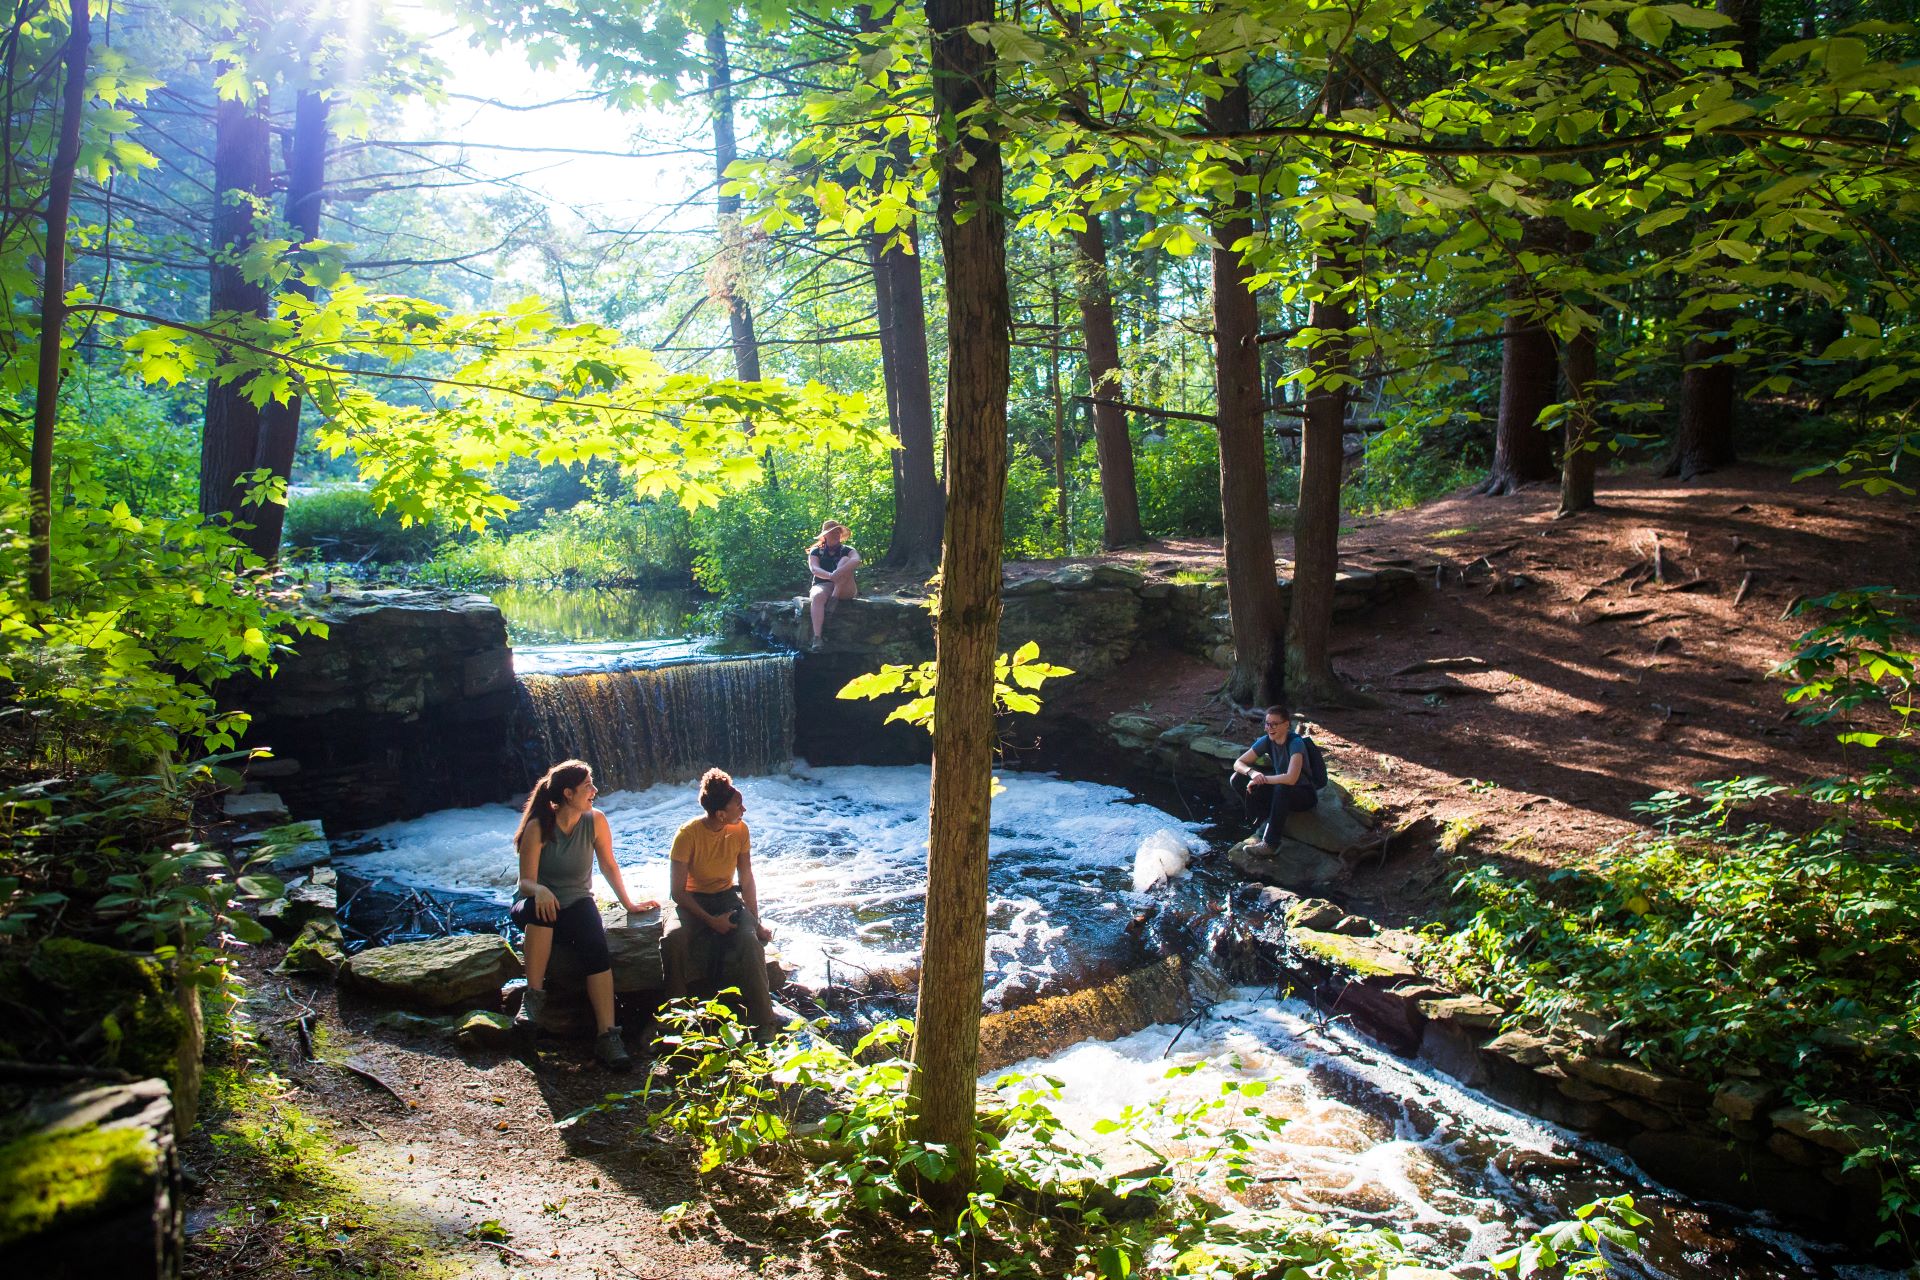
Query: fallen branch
[(353, 1066), (1740, 593), (1442, 664), (528, 1258)]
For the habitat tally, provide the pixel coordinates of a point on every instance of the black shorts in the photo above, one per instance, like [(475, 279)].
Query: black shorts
[(576, 928)]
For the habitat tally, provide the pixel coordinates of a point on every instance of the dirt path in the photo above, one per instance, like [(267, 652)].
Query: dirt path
[(1599, 685), (316, 1170)]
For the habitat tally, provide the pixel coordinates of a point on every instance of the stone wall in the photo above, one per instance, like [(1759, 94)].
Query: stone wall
[(405, 707), (1090, 618), (1728, 1139)]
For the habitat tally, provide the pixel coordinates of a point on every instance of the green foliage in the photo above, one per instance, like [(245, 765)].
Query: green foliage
[(343, 524), (1711, 945), (1403, 467), (1041, 1204), (1177, 474), (142, 445), (594, 543), (1014, 679), (150, 612), (1578, 1244), (1032, 519), (1856, 670), (753, 542)]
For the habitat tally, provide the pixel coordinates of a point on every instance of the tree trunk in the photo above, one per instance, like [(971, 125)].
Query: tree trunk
[(1316, 530), (1703, 433), (946, 1054), (1579, 362), (918, 504), (1119, 494), (53, 307), (280, 423), (1529, 381), (1703, 437), (230, 440), (729, 268), (1253, 595)]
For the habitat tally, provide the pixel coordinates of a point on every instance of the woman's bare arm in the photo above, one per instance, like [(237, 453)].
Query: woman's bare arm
[(603, 850)]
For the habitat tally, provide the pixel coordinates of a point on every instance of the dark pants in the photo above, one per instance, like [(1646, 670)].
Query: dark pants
[(576, 928), (1268, 806), (736, 958)]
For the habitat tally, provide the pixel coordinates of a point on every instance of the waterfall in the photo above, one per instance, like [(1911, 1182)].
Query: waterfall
[(667, 724)]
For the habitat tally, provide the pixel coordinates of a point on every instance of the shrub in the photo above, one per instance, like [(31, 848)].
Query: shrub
[(1404, 467), (605, 542), (1177, 473), (343, 524), (1715, 946), (753, 543), (1031, 523)]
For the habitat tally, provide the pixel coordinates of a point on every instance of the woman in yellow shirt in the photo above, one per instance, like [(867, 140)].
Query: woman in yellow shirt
[(721, 918)]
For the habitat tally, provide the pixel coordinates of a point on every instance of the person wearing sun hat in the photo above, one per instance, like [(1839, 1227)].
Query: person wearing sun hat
[(831, 560)]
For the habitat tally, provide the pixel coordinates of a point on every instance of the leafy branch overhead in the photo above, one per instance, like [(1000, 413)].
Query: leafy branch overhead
[(1014, 680)]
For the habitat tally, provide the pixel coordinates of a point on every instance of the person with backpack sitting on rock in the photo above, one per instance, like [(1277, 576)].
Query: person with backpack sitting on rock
[(1281, 773)]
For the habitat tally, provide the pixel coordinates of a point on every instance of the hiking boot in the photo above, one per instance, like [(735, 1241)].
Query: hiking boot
[(526, 1021), (610, 1051)]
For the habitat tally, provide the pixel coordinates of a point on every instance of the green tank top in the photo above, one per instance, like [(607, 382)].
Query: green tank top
[(566, 862)]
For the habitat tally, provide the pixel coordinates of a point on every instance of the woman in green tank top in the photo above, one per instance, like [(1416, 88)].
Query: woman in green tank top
[(561, 836)]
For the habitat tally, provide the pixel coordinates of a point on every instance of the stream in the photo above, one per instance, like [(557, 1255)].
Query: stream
[(1371, 1140)]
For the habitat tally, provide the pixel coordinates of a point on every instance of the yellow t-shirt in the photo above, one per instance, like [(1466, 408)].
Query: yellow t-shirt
[(710, 856)]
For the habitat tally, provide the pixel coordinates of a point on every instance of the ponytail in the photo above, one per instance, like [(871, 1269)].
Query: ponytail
[(543, 802)]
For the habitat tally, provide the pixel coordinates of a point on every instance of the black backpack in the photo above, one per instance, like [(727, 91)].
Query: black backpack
[(1315, 772)]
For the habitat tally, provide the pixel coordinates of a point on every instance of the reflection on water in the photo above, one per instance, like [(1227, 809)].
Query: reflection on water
[(561, 615)]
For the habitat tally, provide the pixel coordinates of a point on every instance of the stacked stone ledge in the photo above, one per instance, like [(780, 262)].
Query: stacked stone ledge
[(1729, 1139)]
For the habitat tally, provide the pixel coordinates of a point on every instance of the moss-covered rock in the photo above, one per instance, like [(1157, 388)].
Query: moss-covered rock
[(144, 1029), (53, 1181), (317, 951), (1358, 957)]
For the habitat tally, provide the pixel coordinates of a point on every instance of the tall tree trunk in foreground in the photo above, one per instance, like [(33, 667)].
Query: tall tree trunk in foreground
[(230, 440), (946, 1053), (1119, 493), (1253, 594), (53, 307), (1316, 531), (728, 269), (280, 423), (918, 504)]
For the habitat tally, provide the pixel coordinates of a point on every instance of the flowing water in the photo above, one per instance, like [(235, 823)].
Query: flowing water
[(654, 724), (1370, 1140), (839, 856)]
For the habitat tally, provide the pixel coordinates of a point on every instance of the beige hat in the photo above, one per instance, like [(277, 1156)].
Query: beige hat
[(828, 526)]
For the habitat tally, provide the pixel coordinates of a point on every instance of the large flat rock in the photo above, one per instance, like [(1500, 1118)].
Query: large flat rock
[(441, 973), (1291, 865)]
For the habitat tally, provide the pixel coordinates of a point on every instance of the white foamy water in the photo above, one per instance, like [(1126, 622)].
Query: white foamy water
[(840, 855), (1420, 1165)]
